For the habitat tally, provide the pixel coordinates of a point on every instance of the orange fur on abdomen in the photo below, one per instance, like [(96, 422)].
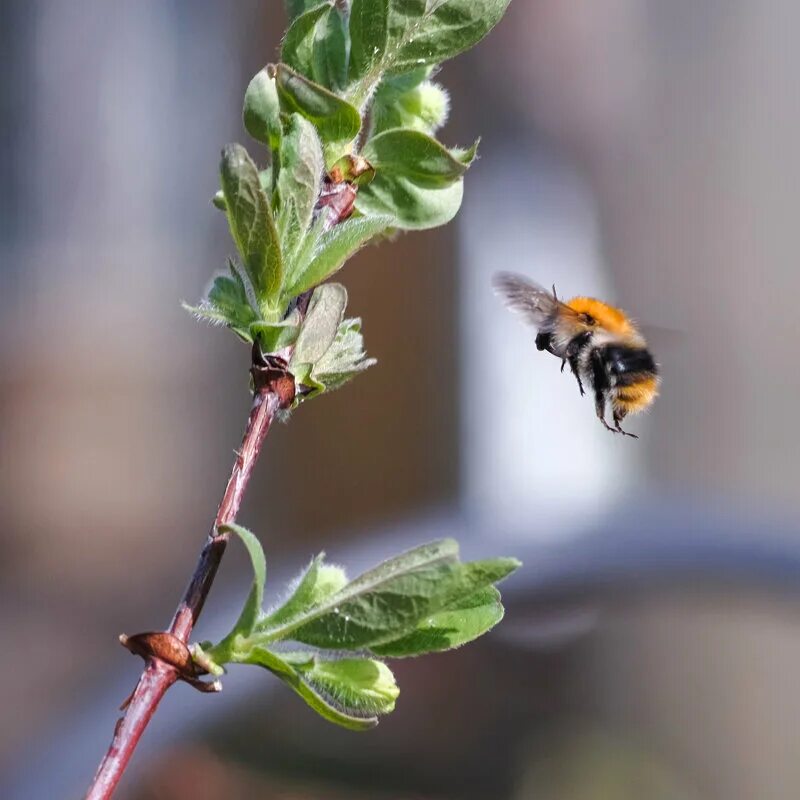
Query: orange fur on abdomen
[(608, 317), (637, 396)]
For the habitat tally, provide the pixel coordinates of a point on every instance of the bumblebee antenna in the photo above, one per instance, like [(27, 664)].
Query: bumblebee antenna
[(555, 296)]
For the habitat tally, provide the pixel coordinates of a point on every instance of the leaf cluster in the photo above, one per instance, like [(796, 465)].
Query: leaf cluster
[(354, 83), (327, 638)]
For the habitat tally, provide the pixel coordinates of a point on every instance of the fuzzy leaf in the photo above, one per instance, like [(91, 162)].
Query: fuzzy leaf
[(408, 205), (334, 119), (412, 34), (318, 582), (424, 32), (316, 46), (333, 248), (228, 295), (261, 112), (297, 50), (322, 702), (472, 617), (233, 294), (251, 223), (391, 600), (264, 177), (299, 181), (379, 614), (417, 180), (466, 155), (368, 36), (330, 52), (361, 685), (325, 311), (344, 359), (414, 155), (227, 302)]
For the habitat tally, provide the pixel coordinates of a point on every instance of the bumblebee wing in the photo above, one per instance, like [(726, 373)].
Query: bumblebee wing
[(539, 306)]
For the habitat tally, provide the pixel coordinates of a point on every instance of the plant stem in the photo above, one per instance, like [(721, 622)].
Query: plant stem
[(157, 676)]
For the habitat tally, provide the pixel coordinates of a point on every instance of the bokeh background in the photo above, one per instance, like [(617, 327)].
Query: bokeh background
[(640, 150)]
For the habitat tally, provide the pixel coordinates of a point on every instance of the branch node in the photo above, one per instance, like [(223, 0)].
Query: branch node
[(271, 374), (168, 649)]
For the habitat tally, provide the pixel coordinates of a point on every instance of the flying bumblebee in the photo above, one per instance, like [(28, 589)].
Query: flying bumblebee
[(602, 346)]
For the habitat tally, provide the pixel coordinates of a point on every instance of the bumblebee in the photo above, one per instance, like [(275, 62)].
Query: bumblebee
[(603, 347)]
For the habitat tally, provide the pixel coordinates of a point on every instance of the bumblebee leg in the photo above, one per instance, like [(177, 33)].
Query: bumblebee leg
[(573, 364), (600, 409), (602, 388), (574, 349), (619, 415)]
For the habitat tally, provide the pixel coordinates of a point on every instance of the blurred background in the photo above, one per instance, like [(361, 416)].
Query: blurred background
[(639, 150)]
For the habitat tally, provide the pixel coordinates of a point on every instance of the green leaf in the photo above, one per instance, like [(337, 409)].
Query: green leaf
[(325, 312), (227, 303), (252, 608), (207, 313), (472, 617), (431, 31), (299, 181), (336, 121), (391, 600), (316, 46), (318, 582), (330, 52), (414, 155), (466, 155), (293, 675), (408, 205), (251, 223), (229, 296), (264, 176), (333, 248), (261, 112), (361, 685), (371, 614), (297, 50), (368, 36), (344, 359), (418, 33), (417, 180)]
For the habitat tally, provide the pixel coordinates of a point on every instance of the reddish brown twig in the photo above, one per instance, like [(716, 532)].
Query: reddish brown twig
[(158, 676), (274, 389)]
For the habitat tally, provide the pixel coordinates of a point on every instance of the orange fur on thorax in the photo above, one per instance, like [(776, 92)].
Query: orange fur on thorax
[(608, 317)]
